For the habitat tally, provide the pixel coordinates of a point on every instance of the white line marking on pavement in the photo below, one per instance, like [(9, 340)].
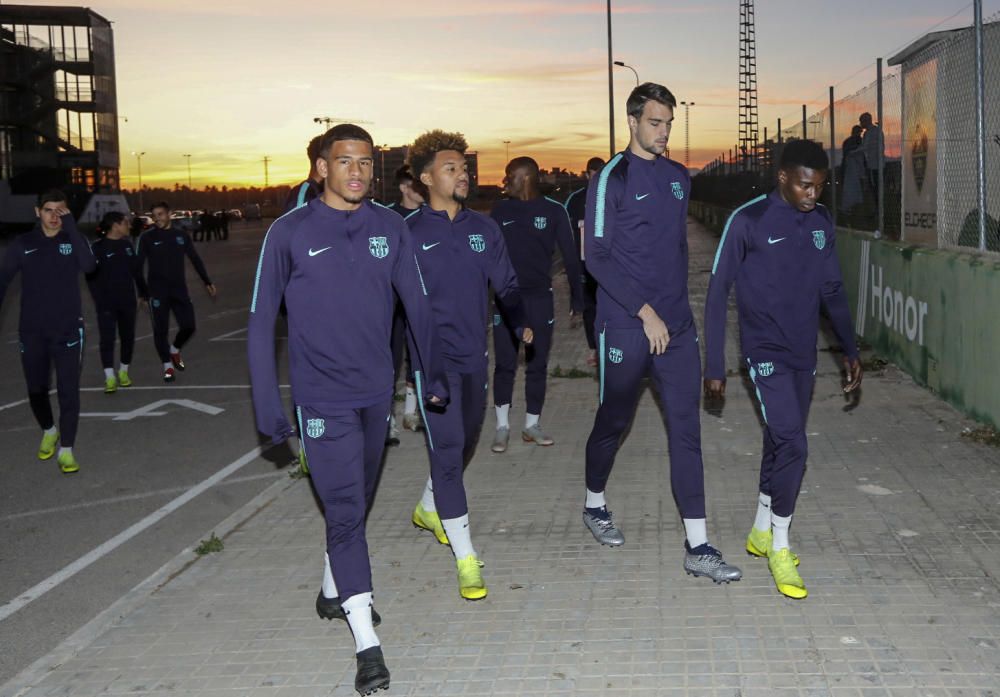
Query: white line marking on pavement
[(227, 335), (137, 388), (133, 497), (70, 570), (14, 404)]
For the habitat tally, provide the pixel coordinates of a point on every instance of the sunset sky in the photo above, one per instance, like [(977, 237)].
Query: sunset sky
[(231, 82)]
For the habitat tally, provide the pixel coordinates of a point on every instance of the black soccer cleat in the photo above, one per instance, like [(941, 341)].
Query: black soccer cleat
[(372, 674)]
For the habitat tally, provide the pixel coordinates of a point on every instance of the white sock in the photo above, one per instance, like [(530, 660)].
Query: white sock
[(531, 420), (696, 531), (763, 519), (123, 367), (329, 585), (780, 525), (457, 530), (109, 372), (410, 405), (51, 431), (595, 499), (428, 498), (168, 365), (174, 349), (359, 616), (503, 413), (68, 451)]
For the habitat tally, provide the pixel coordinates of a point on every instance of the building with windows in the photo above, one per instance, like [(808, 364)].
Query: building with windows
[(58, 106)]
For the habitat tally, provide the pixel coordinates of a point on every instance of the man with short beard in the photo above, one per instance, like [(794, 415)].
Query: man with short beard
[(461, 252), (636, 247), (340, 248)]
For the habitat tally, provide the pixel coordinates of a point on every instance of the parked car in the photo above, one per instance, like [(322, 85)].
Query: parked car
[(235, 214)]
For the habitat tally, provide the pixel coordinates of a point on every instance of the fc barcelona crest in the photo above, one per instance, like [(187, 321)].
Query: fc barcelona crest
[(65, 249), (180, 240), (541, 222), (478, 243), (315, 428), (678, 190), (128, 251), (497, 320), (819, 239), (765, 369), (379, 247), (615, 355)]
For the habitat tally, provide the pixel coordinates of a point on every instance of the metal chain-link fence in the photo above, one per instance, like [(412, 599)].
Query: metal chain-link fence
[(910, 173)]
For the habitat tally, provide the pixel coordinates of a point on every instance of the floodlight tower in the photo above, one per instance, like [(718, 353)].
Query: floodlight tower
[(748, 88)]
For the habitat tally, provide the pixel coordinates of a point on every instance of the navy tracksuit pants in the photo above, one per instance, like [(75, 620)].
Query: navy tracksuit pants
[(589, 308), (784, 394), (625, 360), (38, 354), (344, 446), (451, 434), (118, 317), (539, 315), (160, 308)]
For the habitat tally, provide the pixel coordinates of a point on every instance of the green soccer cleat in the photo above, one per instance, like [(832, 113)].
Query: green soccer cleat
[(470, 578), (429, 520), (786, 577), (123, 379), (759, 544), (110, 385), (67, 463), (48, 447), (303, 463)]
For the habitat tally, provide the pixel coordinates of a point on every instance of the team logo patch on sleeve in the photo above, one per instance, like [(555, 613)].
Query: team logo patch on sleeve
[(541, 222), (128, 251), (819, 239), (678, 190), (765, 369), (379, 247), (180, 239), (316, 427), (615, 355), (497, 320), (65, 249), (478, 243)]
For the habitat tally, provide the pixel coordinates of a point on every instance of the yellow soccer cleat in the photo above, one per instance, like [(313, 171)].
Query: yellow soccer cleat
[(303, 462), (786, 577), (123, 379), (67, 463), (470, 578), (110, 385), (759, 543), (48, 447), (429, 520)]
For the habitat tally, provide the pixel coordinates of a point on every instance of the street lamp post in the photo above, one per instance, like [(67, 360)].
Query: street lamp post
[(382, 150), (138, 161), (626, 65), (325, 120), (687, 132), (611, 87), (506, 151)]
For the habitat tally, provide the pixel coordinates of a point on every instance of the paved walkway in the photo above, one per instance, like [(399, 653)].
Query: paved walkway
[(897, 527)]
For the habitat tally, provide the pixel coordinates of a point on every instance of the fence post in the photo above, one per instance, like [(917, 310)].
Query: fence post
[(980, 126), (805, 124), (833, 160), (880, 195)]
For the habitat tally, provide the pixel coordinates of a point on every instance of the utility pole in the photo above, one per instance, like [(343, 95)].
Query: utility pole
[(267, 181), (138, 161), (507, 155), (687, 132), (611, 87), (748, 86)]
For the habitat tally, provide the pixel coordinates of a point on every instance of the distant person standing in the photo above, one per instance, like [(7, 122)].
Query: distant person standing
[(51, 258), (113, 287), (779, 250), (532, 225), (852, 171), (873, 146), (312, 187), (164, 248), (576, 205)]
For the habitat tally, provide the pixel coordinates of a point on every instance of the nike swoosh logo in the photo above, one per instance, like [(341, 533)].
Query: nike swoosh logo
[(552, 321), (508, 222), (313, 253), (425, 247), (29, 251), (157, 244), (111, 254), (72, 344), (639, 197), (773, 241)]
